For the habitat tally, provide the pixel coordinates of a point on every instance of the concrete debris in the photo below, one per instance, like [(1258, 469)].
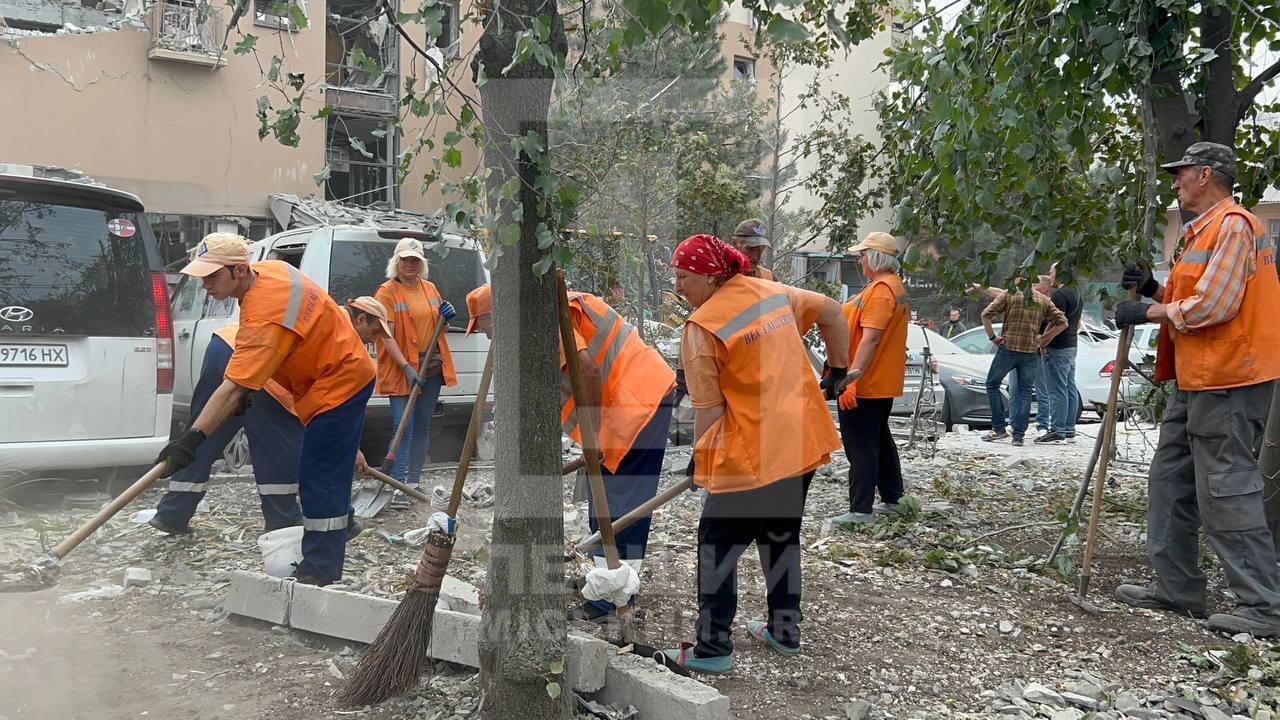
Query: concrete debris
[(102, 592), (137, 577), (857, 710)]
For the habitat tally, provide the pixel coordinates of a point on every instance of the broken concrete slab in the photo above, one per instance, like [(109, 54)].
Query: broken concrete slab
[(588, 665), (259, 596), (659, 693), (458, 596), (340, 614), (136, 577)]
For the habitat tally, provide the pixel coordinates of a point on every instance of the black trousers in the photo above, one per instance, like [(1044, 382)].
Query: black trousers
[(770, 517), (872, 454)]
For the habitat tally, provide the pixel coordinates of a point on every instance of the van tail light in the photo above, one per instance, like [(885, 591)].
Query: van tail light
[(1106, 369), (164, 334)]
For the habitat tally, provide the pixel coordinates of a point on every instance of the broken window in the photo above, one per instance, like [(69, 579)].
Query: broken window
[(361, 169), (744, 69), (361, 52), (448, 26), (280, 14)]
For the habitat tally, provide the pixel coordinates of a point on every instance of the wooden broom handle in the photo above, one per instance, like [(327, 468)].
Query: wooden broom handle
[(116, 505)]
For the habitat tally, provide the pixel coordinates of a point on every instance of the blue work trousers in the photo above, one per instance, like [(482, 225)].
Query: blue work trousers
[(412, 453), (632, 484), (1005, 362), (326, 467), (275, 437)]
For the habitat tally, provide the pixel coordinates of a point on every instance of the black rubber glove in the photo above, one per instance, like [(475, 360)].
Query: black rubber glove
[(1138, 275), (181, 452), (1131, 312), (830, 382)]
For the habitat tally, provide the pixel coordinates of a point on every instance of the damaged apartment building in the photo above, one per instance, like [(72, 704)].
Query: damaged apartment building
[(140, 95)]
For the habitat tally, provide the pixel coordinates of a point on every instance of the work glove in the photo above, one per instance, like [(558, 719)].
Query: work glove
[(849, 397), (1138, 275), (446, 310), (831, 381), (181, 452), (412, 376), (1131, 312)]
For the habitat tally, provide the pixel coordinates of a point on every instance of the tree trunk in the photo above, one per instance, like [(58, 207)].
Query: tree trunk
[(1216, 28), (522, 636)]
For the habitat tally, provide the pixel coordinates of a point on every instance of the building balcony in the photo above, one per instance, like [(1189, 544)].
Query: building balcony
[(180, 35)]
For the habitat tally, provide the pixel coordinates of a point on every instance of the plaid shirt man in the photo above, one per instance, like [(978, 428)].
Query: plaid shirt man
[(1023, 319)]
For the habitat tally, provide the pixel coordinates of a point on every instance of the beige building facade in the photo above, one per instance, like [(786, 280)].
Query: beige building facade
[(1267, 210)]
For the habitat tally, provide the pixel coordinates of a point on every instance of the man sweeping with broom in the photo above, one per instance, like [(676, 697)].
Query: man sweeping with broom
[(292, 332)]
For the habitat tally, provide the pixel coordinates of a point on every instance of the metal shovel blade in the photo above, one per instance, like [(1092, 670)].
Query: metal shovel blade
[(371, 499)]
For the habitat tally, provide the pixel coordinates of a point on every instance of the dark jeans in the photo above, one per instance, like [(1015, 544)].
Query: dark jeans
[(1205, 473), (1006, 361), (1058, 403), (414, 446), (872, 454), (770, 517)]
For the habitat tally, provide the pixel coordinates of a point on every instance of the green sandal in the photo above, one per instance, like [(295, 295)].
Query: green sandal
[(760, 631), (684, 657)]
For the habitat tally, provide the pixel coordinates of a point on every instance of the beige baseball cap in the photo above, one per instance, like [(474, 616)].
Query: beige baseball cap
[(882, 241), (216, 251), (364, 303), (410, 247)]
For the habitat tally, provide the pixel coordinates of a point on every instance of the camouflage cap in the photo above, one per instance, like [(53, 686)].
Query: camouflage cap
[(752, 232), (1214, 155)]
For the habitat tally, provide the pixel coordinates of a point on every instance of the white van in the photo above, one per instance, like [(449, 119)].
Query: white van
[(86, 342), (349, 261)]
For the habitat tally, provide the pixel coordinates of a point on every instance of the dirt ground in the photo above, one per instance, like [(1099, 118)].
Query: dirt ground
[(932, 615)]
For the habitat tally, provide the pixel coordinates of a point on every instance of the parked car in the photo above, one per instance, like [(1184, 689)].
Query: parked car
[(1094, 361), (349, 261), (86, 338)]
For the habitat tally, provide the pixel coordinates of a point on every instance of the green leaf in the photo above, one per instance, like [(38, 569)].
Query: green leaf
[(246, 44), (524, 50), (453, 137), (323, 113), (273, 73), (359, 147), (509, 234), (557, 666), (540, 268), (365, 63), (297, 80), (466, 116), (452, 157), (323, 175), (298, 17), (782, 30)]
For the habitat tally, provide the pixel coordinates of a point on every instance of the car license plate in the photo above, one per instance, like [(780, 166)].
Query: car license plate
[(913, 371), (12, 354)]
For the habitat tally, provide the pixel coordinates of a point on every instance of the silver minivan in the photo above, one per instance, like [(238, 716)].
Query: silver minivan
[(349, 261), (86, 339)]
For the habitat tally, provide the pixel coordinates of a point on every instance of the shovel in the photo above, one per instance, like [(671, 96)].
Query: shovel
[(44, 572)]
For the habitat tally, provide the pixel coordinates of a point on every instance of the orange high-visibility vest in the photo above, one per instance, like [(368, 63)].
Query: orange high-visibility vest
[(633, 378), (1244, 350), (391, 380), (328, 363), (228, 333), (775, 424), (885, 376)]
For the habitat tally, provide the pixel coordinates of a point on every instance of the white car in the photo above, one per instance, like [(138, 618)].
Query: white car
[(86, 338), (349, 261), (1094, 361)]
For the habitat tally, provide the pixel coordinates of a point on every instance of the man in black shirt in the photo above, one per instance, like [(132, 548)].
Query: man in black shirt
[(953, 327), (1060, 402)]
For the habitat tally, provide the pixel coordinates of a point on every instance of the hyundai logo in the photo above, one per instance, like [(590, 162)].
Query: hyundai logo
[(16, 313)]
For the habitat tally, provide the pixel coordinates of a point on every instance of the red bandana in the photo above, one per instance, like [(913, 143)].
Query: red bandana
[(709, 255)]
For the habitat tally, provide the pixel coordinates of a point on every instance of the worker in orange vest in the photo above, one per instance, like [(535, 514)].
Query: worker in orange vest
[(1219, 340), (762, 429), (751, 237), (632, 391), (270, 426), (291, 332)]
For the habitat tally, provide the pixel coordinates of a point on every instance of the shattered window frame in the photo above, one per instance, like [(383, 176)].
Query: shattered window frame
[(449, 34), (264, 17)]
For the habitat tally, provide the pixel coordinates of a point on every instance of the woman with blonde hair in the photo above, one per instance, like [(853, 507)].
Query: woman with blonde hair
[(414, 306)]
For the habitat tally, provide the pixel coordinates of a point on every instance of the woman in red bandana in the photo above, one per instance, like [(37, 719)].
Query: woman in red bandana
[(763, 428)]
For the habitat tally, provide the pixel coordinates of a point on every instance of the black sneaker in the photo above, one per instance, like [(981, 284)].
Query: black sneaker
[(1141, 596), (1051, 438), (309, 579), (1016, 442), (168, 529), (993, 435), (1233, 624), (1071, 436)]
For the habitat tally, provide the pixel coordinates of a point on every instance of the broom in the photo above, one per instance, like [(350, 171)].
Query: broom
[(394, 662)]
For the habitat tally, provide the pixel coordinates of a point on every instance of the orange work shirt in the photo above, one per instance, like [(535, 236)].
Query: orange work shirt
[(282, 396), (414, 313), (292, 332), (882, 305)]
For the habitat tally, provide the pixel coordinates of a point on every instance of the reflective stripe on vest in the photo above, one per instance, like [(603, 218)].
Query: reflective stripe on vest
[(752, 314), (605, 324), (324, 524), (294, 305)]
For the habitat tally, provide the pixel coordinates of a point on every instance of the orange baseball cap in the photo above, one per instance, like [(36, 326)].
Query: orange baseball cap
[(371, 306), (216, 251), (479, 302)]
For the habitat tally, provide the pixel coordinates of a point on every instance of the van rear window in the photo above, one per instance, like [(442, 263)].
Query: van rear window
[(358, 267), (73, 270)]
